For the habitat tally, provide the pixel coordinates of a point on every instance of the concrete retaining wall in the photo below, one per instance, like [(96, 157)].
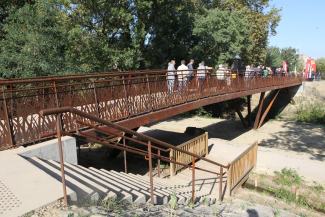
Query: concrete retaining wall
[(50, 150)]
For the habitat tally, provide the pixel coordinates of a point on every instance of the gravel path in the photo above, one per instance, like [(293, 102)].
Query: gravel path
[(235, 208)]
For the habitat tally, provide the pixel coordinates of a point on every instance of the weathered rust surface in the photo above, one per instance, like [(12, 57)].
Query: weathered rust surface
[(131, 99)]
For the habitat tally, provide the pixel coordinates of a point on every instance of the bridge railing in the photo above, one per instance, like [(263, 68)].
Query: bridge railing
[(198, 146), (110, 96), (107, 127), (240, 168)]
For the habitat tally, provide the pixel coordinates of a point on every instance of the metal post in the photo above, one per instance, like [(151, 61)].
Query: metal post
[(220, 184), (95, 96), (78, 141), (9, 126), (58, 129), (260, 106), (126, 98), (249, 115), (268, 108), (158, 163), (239, 113), (149, 93), (193, 178), (125, 165), (57, 104), (172, 165), (150, 173)]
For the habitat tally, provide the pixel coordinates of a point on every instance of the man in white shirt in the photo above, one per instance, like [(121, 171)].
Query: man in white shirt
[(171, 75), (201, 74), (182, 76)]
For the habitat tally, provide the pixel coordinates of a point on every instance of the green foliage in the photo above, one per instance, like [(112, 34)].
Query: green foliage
[(48, 37), (35, 41), (222, 34), (112, 205), (311, 112), (320, 64), (288, 177), (318, 187), (290, 55), (273, 57)]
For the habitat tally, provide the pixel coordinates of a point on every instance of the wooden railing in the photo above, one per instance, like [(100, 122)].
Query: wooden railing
[(240, 168), (198, 146)]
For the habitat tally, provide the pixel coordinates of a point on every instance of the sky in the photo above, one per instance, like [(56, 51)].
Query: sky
[(302, 24)]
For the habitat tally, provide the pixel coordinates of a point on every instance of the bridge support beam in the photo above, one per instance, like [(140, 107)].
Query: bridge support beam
[(260, 106), (239, 113), (249, 113), (292, 100), (268, 108)]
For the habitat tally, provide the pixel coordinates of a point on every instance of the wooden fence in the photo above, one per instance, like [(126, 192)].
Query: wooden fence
[(198, 145), (240, 168)]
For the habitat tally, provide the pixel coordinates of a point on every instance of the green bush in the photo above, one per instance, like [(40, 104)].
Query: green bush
[(311, 112)]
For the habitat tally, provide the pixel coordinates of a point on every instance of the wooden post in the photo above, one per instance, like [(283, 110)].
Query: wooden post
[(193, 178), (268, 109), (206, 143), (220, 184), (255, 181), (249, 115), (260, 106), (239, 113), (229, 174), (297, 193)]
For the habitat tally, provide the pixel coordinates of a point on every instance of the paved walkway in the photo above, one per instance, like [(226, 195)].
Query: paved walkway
[(24, 187)]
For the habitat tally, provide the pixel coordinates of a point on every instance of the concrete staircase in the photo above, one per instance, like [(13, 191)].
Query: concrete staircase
[(92, 184)]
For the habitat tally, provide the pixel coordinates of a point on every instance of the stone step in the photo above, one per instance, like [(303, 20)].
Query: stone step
[(82, 177), (83, 192), (139, 188), (161, 198), (183, 193), (135, 195)]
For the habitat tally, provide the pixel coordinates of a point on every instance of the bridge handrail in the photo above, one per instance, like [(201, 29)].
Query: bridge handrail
[(59, 78), (72, 110)]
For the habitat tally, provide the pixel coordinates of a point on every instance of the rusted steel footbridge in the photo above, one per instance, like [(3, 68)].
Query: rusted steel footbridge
[(130, 99), (95, 107)]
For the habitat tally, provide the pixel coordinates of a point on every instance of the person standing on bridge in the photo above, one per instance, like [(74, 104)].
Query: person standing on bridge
[(171, 75), (190, 74), (182, 76), (201, 74)]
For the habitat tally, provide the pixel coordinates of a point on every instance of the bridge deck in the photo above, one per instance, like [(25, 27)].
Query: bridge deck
[(131, 99)]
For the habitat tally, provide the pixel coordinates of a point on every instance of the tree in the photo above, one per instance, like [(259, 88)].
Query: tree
[(290, 55), (222, 35), (320, 64), (35, 41), (273, 57), (263, 20)]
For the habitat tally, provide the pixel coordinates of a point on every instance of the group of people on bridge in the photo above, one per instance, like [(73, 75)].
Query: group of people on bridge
[(186, 73)]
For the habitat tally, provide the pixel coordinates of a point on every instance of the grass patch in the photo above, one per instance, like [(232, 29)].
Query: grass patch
[(310, 111), (288, 177)]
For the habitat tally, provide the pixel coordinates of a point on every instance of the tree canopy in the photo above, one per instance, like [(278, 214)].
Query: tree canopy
[(47, 37)]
